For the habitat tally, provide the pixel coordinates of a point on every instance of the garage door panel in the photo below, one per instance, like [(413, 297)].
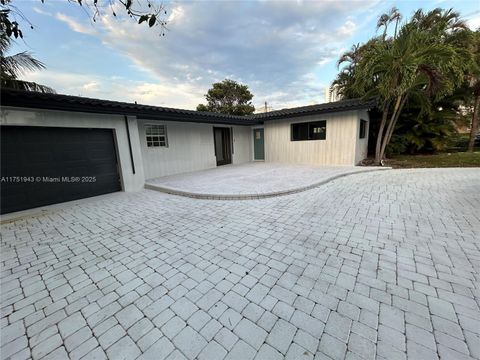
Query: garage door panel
[(105, 168), (41, 157), (56, 153), (99, 154), (73, 155), (76, 169)]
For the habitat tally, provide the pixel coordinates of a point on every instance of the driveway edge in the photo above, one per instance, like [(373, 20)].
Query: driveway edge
[(174, 191)]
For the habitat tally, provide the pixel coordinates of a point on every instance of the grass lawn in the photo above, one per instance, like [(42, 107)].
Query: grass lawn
[(455, 159)]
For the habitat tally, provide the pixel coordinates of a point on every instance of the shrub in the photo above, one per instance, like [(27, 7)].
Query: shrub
[(398, 145)]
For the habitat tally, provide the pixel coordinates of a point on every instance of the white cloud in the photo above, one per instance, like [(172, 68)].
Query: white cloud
[(176, 14), (347, 29), (90, 86), (76, 25), (275, 47), (120, 89), (474, 21), (41, 12)]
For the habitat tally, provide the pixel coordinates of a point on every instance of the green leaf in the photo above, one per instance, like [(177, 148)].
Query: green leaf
[(142, 19), (152, 20)]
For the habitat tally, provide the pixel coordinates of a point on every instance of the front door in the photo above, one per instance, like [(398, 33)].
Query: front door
[(258, 145), (223, 150)]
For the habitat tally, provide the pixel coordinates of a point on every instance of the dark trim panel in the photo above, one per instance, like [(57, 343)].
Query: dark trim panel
[(129, 145)]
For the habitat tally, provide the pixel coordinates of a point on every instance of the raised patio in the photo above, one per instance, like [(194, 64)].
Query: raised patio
[(251, 181)]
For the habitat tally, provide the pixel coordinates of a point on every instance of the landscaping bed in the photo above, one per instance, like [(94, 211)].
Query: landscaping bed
[(454, 159)]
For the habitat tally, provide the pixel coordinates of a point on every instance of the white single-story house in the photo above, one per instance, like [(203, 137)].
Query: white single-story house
[(56, 148)]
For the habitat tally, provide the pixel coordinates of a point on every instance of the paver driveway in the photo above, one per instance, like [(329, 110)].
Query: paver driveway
[(376, 265)]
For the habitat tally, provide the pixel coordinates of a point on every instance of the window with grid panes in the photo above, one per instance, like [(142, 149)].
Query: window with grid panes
[(156, 135)]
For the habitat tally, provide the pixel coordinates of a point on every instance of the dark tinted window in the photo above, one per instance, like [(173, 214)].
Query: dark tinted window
[(363, 129), (316, 130)]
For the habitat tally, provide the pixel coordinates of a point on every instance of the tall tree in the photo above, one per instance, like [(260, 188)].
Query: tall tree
[(346, 77), (419, 62), (228, 97), (473, 82), (386, 19), (14, 66)]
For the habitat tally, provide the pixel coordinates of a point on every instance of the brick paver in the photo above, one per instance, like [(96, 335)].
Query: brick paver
[(373, 266)]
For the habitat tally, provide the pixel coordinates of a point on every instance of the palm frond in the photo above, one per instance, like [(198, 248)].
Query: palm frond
[(13, 66), (382, 20), (18, 64), (4, 43), (26, 86), (394, 14)]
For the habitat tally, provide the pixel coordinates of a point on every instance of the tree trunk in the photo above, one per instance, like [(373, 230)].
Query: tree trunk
[(391, 126), (391, 123), (378, 146), (474, 129)]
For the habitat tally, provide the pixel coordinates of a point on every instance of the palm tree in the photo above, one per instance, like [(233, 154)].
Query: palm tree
[(473, 81), (346, 76), (383, 20), (460, 35), (387, 18), (409, 67), (13, 66), (438, 19), (419, 64)]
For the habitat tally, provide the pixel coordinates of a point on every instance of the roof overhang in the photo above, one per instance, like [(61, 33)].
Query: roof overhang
[(36, 100)]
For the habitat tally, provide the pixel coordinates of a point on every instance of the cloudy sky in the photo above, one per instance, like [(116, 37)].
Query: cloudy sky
[(285, 51)]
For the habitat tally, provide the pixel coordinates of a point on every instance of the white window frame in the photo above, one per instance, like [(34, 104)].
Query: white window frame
[(156, 135)]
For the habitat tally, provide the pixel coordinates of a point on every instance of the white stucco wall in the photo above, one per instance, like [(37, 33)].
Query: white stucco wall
[(242, 144), (191, 145), (36, 117), (361, 151), (339, 147), (190, 148)]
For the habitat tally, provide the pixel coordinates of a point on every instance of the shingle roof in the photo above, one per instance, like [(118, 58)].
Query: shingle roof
[(29, 99), (336, 106)]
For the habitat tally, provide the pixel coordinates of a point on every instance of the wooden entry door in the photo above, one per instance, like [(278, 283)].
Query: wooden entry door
[(223, 148)]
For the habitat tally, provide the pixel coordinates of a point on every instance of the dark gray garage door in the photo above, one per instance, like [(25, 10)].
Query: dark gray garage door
[(47, 165)]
